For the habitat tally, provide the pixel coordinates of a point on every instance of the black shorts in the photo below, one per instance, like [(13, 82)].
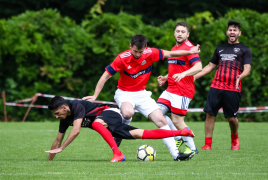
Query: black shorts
[(115, 125), (228, 100)]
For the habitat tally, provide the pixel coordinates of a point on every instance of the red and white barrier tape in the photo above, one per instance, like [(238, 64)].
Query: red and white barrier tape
[(26, 105), (241, 110)]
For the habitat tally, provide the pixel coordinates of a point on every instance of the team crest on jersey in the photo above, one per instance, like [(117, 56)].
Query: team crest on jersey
[(143, 62), (236, 50)]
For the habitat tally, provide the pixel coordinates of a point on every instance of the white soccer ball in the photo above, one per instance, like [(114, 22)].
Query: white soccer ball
[(146, 153)]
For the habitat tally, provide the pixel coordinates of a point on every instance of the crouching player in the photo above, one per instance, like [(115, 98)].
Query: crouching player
[(105, 119)]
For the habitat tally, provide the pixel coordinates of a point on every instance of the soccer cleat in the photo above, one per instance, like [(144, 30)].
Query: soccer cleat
[(179, 143), (235, 144), (184, 157), (187, 150), (117, 158), (206, 147), (187, 132)]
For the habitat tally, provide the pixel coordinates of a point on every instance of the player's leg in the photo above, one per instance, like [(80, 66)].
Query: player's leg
[(178, 121), (230, 108), (233, 122), (213, 104), (179, 106), (101, 127), (209, 127), (126, 105), (165, 105), (160, 121), (159, 133)]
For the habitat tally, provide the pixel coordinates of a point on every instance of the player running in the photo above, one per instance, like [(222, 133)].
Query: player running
[(181, 88), (234, 63), (135, 67), (105, 119)]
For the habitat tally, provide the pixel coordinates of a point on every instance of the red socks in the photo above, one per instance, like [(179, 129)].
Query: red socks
[(234, 136), (160, 133), (107, 136), (208, 141)]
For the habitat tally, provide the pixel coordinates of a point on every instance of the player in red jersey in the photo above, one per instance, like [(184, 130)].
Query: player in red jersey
[(181, 89), (135, 66), (105, 119), (234, 63)]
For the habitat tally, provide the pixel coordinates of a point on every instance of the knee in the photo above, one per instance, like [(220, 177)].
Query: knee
[(160, 122), (232, 119), (127, 114)]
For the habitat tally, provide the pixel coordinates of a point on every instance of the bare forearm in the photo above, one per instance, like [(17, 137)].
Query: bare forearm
[(194, 70), (207, 69), (56, 144), (246, 71), (101, 83), (178, 53), (73, 134)]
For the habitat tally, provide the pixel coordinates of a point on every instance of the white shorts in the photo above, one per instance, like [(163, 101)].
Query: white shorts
[(140, 100), (177, 104)]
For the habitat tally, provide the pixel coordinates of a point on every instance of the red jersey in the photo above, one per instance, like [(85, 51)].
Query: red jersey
[(185, 87), (134, 73)]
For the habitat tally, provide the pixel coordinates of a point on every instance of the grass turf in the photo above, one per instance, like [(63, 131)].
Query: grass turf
[(23, 146)]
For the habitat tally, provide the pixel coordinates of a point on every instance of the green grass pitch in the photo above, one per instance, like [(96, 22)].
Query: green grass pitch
[(23, 146)]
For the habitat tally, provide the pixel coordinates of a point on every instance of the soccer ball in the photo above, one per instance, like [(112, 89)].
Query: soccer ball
[(146, 153)]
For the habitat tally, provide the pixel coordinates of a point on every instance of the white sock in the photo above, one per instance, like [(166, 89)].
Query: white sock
[(170, 143), (172, 127), (127, 122), (189, 141)]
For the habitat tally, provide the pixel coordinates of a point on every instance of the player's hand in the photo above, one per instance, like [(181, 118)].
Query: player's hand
[(195, 49), (238, 79), (58, 150), (89, 98), (178, 76), (161, 80)]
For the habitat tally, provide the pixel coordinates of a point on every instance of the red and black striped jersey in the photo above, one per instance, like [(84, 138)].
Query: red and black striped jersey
[(82, 109), (230, 59)]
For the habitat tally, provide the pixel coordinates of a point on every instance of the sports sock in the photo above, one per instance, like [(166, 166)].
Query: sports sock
[(172, 127), (107, 136), (208, 141), (160, 133), (170, 143), (189, 141), (234, 136)]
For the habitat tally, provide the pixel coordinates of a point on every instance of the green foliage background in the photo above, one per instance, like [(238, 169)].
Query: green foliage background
[(41, 51)]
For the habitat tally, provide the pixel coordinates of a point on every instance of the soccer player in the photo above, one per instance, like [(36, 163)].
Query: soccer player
[(105, 119), (234, 63), (181, 89), (135, 66)]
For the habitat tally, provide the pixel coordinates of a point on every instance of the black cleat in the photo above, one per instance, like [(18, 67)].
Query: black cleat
[(184, 157)]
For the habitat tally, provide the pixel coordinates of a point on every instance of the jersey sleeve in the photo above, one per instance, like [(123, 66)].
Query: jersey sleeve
[(78, 111), (63, 126), (157, 54), (115, 66), (247, 59), (215, 58), (193, 58)]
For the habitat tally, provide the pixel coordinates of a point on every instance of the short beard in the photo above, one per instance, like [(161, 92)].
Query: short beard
[(180, 42)]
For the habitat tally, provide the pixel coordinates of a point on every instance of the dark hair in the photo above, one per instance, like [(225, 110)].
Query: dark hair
[(184, 24), (56, 102), (234, 23), (139, 40)]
